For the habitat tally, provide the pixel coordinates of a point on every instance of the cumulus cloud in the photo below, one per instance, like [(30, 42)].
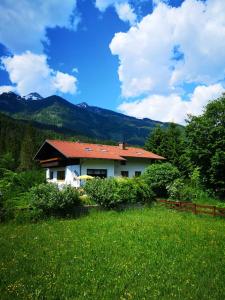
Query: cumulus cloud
[(125, 12), (30, 72), (123, 9), (172, 108), (172, 46), (23, 23), (65, 83)]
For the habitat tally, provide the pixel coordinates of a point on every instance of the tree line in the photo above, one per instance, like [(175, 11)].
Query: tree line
[(20, 140), (200, 144)]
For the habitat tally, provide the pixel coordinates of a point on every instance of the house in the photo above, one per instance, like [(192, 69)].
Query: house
[(66, 161)]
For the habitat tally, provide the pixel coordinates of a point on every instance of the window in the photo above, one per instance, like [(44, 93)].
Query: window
[(137, 173), (124, 173), (51, 175), (123, 162), (102, 173), (60, 175)]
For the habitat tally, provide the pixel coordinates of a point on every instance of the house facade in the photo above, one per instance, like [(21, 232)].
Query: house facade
[(66, 161)]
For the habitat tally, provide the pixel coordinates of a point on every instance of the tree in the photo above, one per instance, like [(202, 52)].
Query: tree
[(168, 142), (159, 176), (155, 140), (206, 144), (27, 151)]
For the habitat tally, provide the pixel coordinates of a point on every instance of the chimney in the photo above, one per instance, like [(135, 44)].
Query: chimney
[(122, 146)]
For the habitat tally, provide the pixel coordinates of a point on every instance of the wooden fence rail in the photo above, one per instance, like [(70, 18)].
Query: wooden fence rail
[(194, 208)]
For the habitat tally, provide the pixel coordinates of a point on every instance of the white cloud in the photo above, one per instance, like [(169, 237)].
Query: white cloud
[(195, 32), (125, 12), (7, 88), (23, 23), (75, 70), (123, 9), (31, 73), (102, 5), (65, 83), (172, 108), (157, 2)]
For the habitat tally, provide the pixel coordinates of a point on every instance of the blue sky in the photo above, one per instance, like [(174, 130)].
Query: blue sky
[(129, 56)]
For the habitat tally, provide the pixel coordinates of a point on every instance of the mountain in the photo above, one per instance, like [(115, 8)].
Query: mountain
[(32, 96), (82, 119), (14, 134)]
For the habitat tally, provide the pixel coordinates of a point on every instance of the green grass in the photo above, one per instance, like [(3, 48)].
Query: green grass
[(138, 254)]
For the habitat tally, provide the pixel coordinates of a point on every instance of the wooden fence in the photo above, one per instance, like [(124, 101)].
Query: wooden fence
[(194, 208)]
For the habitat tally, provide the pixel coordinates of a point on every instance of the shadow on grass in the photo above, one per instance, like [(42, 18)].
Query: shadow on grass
[(28, 215)]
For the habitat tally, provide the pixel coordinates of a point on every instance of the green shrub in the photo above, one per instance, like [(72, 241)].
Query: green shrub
[(191, 190), (49, 200), (1, 207), (86, 200), (20, 182), (14, 185), (159, 176), (103, 191), (181, 191), (112, 192), (134, 190), (195, 178)]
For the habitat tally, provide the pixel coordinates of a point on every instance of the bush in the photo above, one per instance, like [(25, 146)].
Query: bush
[(49, 200), (134, 190), (181, 191), (1, 207), (14, 185), (103, 191), (159, 176), (112, 192)]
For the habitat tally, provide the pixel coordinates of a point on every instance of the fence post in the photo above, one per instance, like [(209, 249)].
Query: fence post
[(214, 211), (195, 209), (181, 205)]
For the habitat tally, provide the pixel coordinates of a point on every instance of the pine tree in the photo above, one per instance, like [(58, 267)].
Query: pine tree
[(168, 142), (27, 150), (155, 141)]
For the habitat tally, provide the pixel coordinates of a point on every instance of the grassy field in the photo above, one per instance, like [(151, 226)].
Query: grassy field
[(138, 254)]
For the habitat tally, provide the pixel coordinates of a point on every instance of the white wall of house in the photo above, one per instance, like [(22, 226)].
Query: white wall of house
[(71, 172), (113, 168), (98, 164), (132, 165)]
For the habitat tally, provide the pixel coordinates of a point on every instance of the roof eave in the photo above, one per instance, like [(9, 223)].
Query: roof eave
[(107, 158), (145, 157), (48, 142)]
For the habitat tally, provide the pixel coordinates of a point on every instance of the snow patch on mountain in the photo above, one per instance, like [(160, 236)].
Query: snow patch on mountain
[(32, 96), (83, 105)]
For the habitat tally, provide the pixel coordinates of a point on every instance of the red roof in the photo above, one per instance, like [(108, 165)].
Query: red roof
[(85, 150)]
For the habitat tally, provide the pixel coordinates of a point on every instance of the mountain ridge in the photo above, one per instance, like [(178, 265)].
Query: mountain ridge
[(90, 121)]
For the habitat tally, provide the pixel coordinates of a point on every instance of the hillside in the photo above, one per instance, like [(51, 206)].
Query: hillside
[(80, 119), (15, 133)]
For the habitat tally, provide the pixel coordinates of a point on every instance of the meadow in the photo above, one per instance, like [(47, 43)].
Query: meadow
[(150, 253)]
